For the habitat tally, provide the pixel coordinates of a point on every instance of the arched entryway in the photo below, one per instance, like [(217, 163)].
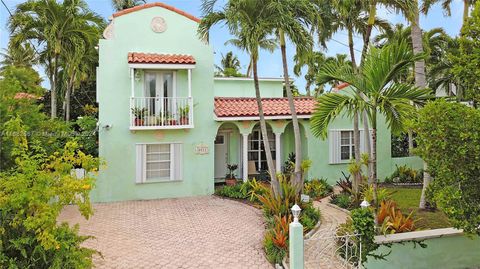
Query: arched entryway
[(288, 142), (257, 159), (227, 150)]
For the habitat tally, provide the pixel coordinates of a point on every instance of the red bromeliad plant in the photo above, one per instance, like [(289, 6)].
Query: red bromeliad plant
[(392, 219)]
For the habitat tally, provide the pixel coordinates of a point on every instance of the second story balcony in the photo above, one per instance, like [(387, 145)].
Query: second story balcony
[(150, 113), (161, 87)]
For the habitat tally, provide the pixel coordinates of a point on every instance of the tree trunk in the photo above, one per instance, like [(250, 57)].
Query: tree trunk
[(410, 142), (368, 146), (307, 88), (357, 177), (420, 81), (466, 7), (263, 127), (374, 158), (426, 178), (53, 89), (368, 32), (68, 93), (296, 128), (351, 49)]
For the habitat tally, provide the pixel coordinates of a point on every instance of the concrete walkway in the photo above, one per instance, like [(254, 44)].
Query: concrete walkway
[(320, 249), (200, 232)]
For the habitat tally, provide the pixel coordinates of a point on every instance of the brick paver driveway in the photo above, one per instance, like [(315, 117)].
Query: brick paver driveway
[(200, 232)]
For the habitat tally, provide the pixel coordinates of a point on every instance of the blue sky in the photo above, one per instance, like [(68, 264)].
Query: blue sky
[(270, 64)]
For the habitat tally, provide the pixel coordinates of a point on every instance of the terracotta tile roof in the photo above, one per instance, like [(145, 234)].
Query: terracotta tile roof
[(154, 58), (158, 4), (247, 107)]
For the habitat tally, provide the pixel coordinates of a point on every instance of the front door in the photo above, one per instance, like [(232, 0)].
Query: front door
[(221, 155), (160, 91)]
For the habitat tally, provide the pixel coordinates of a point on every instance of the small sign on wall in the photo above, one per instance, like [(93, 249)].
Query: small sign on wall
[(201, 149)]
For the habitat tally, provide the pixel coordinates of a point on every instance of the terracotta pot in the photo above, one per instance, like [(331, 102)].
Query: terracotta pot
[(184, 121), (230, 181), (138, 122), (172, 122)]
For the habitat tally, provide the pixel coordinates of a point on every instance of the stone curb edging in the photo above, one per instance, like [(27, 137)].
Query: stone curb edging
[(338, 208), (417, 235)]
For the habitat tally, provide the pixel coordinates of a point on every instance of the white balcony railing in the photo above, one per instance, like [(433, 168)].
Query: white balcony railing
[(148, 113)]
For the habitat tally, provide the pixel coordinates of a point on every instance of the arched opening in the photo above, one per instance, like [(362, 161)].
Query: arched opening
[(227, 150), (288, 143), (257, 159)]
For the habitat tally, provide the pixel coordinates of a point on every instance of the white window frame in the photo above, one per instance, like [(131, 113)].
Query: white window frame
[(350, 145), (175, 163), (335, 145), (260, 139)]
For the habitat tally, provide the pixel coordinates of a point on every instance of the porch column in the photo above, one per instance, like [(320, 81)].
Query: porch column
[(278, 160), (245, 157)]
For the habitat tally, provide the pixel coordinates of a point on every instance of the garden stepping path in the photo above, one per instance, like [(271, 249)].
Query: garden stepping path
[(320, 248)]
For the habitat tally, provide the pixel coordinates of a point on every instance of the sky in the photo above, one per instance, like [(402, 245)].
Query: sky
[(270, 64)]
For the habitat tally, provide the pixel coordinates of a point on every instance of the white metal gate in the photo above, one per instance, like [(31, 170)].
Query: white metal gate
[(327, 250)]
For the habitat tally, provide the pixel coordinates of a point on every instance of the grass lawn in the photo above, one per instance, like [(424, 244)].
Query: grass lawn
[(408, 199)]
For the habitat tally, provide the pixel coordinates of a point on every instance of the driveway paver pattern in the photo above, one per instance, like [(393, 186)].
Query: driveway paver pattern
[(197, 232)]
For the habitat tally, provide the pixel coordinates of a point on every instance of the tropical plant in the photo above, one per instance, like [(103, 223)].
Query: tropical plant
[(465, 63), (231, 171), (312, 60), (119, 5), (382, 94), (230, 66), (246, 20), (391, 219), (234, 191), (342, 200), (383, 194), (58, 27), (405, 174), (18, 56), (448, 140), (33, 195), (317, 188)]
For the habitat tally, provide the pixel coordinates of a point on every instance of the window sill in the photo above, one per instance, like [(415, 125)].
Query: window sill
[(158, 181)]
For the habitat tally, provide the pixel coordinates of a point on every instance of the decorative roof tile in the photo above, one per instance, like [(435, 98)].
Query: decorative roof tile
[(247, 106), (154, 58), (157, 4)]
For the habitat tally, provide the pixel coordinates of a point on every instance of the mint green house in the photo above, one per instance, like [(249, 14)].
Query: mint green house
[(168, 127)]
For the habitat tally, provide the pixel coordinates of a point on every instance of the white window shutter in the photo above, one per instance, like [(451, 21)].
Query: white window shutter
[(334, 146), (177, 169), (362, 142), (140, 150)]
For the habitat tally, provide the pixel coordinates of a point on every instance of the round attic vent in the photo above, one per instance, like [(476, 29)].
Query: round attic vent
[(158, 25)]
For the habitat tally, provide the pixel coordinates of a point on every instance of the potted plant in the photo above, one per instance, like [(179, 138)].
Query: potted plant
[(170, 119), (184, 113), (230, 178), (139, 114)]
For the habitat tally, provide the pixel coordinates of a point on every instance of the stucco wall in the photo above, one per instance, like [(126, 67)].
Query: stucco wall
[(132, 33), (243, 87), (452, 252)]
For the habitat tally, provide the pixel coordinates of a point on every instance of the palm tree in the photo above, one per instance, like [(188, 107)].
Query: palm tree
[(312, 60), (291, 19), (376, 80), (124, 4), (245, 20), (52, 26), (427, 4), (229, 66), (19, 56), (400, 6)]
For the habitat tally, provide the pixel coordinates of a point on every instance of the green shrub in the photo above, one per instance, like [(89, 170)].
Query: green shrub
[(317, 188), (32, 196), (342, 200), (363, 222), (383, 194), (309, 216), (405, 174), (234, 191)]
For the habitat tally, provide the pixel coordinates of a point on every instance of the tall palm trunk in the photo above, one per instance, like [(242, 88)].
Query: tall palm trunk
[(53, 89), (68, 93), (308, 84), (372, 11), (466, 6), (263, 128), (374, 157), (296, 128), (368, 146), (357, 177), (420, 82)]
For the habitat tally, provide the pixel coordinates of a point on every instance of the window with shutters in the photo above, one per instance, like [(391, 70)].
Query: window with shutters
[(341, 146), (158, 162), (347, 147)]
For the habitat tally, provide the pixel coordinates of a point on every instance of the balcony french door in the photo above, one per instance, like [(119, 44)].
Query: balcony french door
[(160, 90)]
